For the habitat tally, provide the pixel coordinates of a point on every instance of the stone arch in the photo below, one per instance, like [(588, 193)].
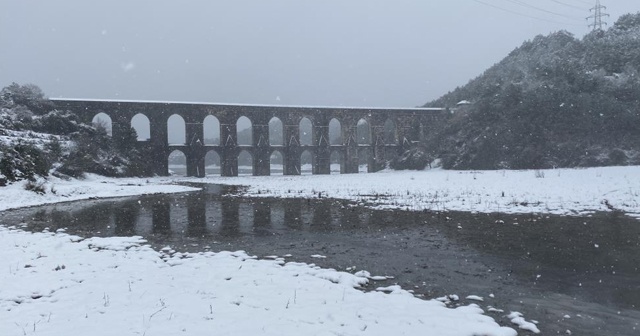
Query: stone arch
[(363, 132), (245, 163), (177, 163), (176, 130), (211, 130), (276, 163), (103, 120), (212, 163), (335, 132), (389, 132), (336, 162), (244, 129), (306, 132), (276, 132), (306, 162), (142, 125)]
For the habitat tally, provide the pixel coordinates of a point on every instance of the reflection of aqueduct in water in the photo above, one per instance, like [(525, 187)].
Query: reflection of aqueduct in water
[(377, 134), (226, 217)]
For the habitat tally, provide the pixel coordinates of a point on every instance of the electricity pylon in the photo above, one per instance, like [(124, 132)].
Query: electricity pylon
[(597, 16)]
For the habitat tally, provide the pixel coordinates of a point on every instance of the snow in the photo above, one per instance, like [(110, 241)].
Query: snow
[(516, 318), (475, 298), (94, 186), (35, 138), (57, 284), (560, 191)]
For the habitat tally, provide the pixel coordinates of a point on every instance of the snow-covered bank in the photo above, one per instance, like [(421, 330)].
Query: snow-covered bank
[(94, 186), (559, 191), (56, 284)]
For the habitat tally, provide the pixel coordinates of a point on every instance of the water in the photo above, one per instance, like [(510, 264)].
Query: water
[(543, 266)]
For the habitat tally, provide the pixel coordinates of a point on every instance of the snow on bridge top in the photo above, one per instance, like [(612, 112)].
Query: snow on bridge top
[(252, 105)]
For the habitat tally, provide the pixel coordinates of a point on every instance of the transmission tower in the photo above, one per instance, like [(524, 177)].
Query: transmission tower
[(597, 16)]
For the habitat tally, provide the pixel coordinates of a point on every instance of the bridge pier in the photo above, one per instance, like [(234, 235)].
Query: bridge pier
[(229, 155), (351, 159), (292, 149), (322, 164), (195, 143), (229, 162), (159, 146), (262, 154), (351, 165)]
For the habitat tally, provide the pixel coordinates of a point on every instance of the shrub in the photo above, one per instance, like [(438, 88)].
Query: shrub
[(37, 187), (413, 159), (23, 161)]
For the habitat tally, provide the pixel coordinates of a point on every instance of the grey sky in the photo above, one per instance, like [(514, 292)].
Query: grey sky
[(295, 52)]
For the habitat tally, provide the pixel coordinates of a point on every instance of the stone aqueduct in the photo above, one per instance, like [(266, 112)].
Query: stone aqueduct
[(409, 126)]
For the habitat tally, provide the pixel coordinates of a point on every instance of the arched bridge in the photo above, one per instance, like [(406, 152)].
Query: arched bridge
[(344, 135)]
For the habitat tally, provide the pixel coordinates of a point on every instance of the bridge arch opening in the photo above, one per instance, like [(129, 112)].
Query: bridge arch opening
[(363, 132), (141, 124), (306, 132), (276, 132), (306, 163), (211, 131), (336, 162), (335, 132), (212, 163), (276, 163), (390, 134), (177, 163), (245, 163), (103, 121), (176, 130), (244, 131)]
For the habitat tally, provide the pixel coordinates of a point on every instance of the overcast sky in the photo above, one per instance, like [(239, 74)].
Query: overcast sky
[(286, 52)]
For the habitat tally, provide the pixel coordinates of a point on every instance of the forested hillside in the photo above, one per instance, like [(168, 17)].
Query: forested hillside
[(556, 101), (37, 140)]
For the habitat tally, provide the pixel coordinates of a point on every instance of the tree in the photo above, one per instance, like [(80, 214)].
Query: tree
[(28, 95)]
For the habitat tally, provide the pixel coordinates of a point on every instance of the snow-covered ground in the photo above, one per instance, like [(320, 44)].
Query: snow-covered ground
[(56, 284), (58, 190), (558, 191)]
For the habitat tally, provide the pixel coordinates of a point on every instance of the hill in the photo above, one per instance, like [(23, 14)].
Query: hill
[(37, 140), (556, 101)]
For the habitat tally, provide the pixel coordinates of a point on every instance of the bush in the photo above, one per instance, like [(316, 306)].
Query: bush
[(413, 159), (57, 122), (37, 187), (23, 161), (618, 157), (28, 95)]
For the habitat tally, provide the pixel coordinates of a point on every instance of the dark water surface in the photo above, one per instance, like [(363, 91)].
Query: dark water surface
[(569, 273)]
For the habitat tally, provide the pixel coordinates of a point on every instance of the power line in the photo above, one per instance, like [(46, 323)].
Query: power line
[(568, 5), (525, 15), (597, 16), (543, 10)]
